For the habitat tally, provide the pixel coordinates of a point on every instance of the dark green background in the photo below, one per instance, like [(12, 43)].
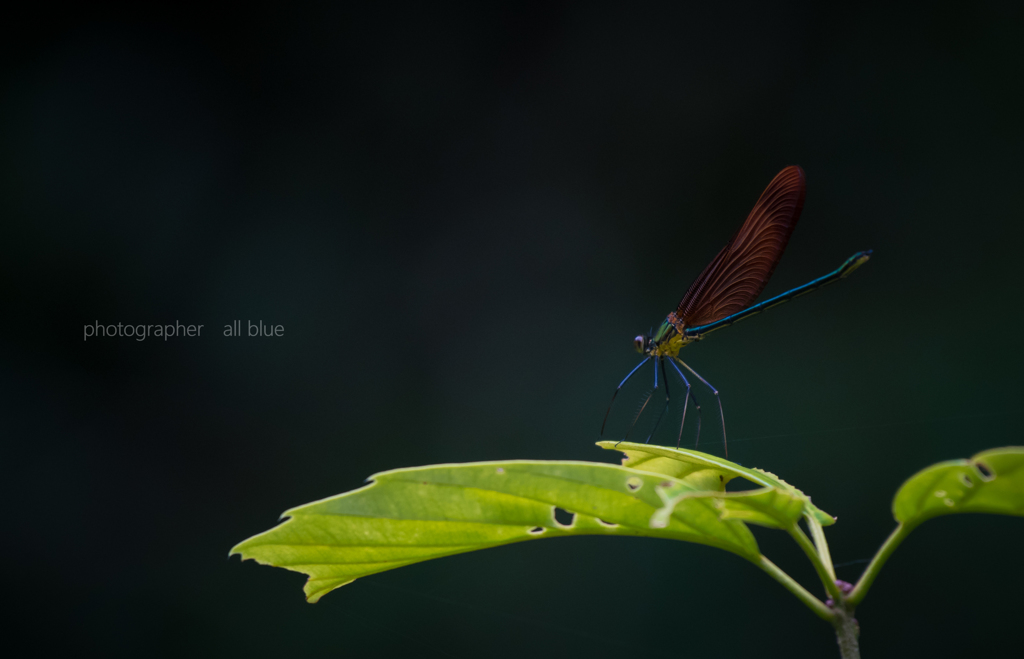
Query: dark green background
[(461, 218)]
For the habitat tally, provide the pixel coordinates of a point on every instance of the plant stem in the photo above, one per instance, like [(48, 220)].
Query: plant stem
[(847, 631), (827, 579), (802, 594), (866, 579)]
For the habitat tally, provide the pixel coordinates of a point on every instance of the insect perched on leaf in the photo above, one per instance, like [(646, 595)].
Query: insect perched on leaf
[(720, 295)]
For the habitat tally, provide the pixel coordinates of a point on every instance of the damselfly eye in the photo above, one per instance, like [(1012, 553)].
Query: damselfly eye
[(639, 343)]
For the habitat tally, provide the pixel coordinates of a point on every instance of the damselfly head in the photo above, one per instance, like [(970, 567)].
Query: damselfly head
[(642, 343)]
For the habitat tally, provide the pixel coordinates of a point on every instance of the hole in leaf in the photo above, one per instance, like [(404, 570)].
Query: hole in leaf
[(537, 530), (633, 483), (986, 473), (564, 517), (608, 524), (939, 493), (966, 480), (948, 502)]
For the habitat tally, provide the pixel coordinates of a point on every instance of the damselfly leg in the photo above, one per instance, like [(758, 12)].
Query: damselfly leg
[(610, 403), (717, 397), (686, 400), (664, 377), (642, 407), (659, 365)]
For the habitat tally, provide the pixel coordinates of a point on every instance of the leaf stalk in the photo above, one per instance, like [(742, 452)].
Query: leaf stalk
[(802, 594), (818, 535), (868, 577), (827, 580)]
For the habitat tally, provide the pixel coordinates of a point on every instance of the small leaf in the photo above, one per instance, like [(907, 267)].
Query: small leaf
[(990, 482), (702, 470), (769, 506), (411, 515)]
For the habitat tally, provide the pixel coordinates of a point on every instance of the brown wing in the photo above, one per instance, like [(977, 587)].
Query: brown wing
[(741, 270)]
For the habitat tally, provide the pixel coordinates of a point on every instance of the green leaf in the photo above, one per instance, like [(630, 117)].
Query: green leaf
[(706, 471), (769, 506), (411, 515), (990, 482)]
